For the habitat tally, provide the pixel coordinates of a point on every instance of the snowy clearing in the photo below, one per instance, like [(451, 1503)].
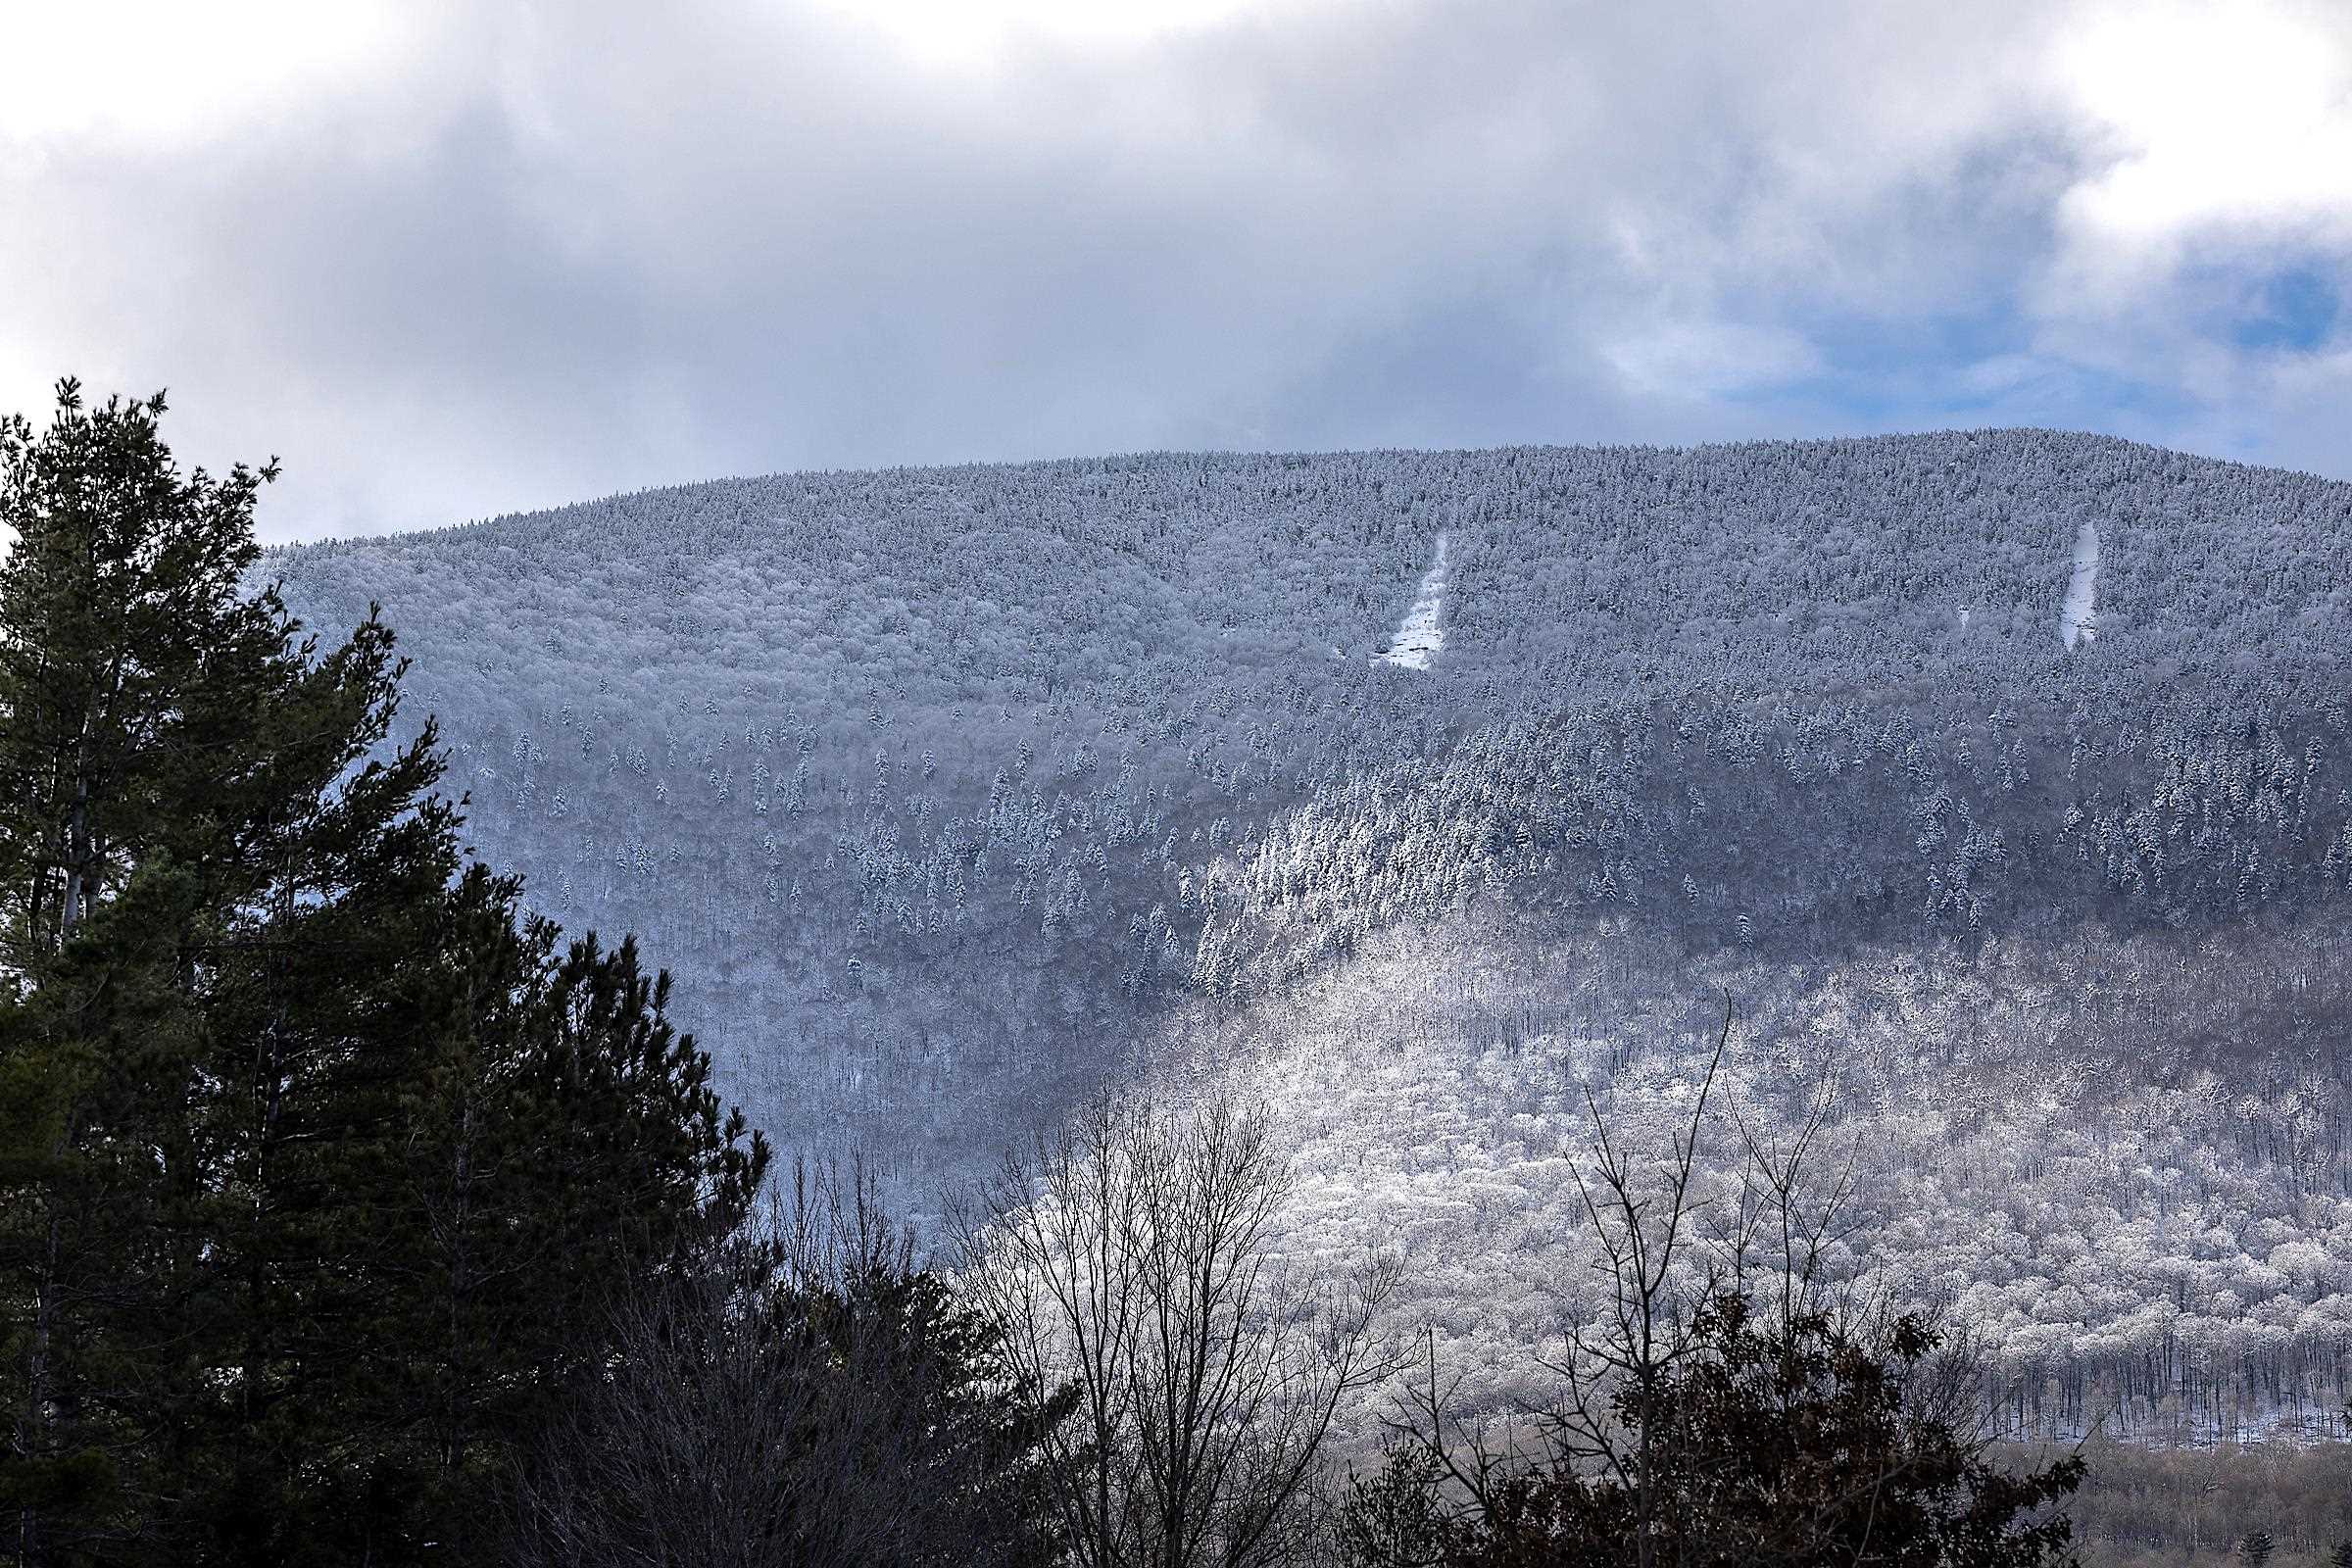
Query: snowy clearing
[(2077, 621), (1419, 638)]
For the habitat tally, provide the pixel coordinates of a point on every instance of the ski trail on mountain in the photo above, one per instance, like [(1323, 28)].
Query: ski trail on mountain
[(2078, 622), (1419, 638)]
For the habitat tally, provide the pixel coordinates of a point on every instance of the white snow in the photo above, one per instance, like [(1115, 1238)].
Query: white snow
[(1419, 638), (2077, 621)]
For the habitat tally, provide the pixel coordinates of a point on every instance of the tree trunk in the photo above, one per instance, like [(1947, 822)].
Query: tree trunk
[(78, 849)]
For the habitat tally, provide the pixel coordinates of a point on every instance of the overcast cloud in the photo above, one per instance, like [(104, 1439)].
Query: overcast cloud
[(458, 260)]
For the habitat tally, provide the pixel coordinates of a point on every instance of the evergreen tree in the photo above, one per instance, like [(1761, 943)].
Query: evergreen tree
[(1787, 1441), (318, 1156), (137, 804)]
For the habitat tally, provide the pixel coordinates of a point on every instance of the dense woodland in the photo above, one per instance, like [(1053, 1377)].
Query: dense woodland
[(1945, 1005), (923, 763), (2154, 1508), (318, 1158), (2131, 1245), (947, 787)]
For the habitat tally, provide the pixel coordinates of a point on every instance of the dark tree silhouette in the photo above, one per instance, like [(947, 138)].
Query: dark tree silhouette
[(1747, 1422)]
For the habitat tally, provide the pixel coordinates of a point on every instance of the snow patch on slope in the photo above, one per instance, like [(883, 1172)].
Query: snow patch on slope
[(1419, 638), (2077, 621)]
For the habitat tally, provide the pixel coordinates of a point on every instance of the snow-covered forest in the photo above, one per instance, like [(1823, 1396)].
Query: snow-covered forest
[(2133, 1188), (2001, 778)]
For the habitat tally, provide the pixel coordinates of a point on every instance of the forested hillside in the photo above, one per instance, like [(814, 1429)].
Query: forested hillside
[(933, 782), (2121, 1166), (2000, 782)]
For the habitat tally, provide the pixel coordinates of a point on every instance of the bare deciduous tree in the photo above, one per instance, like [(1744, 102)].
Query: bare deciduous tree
[(815, 1401), (1132, 1258), (1696, 1423)]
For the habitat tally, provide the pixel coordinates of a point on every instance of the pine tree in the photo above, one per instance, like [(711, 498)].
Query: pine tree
[(318, 1156), (131, 809)]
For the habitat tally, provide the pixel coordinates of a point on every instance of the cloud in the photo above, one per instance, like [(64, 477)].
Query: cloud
[(452, 260), (1700, 360), (144, 73), (2218, 121)]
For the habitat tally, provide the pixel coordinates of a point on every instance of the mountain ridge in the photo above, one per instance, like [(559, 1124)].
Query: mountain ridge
[(1152, 453)]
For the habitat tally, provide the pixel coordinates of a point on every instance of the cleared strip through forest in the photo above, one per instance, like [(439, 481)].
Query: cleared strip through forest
[(1419, 638), (2078, 622)]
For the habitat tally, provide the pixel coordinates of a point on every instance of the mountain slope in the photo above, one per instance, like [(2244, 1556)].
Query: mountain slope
[(2121, 1166), (936, 786)]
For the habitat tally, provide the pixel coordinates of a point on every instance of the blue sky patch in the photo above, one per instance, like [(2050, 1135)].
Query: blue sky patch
[(2295, 308), (1966, 369)]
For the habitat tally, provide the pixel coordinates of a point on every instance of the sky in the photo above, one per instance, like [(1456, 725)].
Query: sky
[(454, 260)]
